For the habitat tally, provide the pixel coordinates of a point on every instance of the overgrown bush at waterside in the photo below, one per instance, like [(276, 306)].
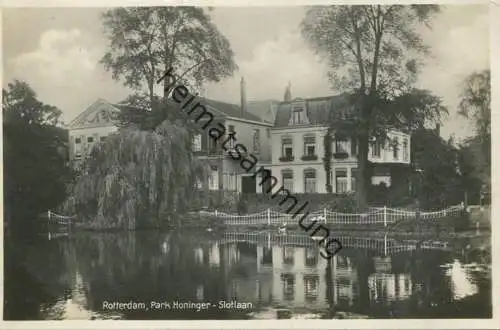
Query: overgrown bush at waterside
[(137, 179)]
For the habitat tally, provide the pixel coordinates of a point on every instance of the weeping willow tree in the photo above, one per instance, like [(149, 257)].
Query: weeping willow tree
[(137, 179)]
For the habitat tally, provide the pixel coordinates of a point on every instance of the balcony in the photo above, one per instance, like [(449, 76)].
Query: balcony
[(209, 153), (286, 159), (232, 151), (309, 157), (340, 155)]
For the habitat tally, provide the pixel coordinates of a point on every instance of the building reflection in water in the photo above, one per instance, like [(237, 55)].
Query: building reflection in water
[(280, 276), (296, 276), (385, 285), (291, 276)]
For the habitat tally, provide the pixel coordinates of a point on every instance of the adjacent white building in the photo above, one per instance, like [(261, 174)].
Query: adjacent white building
[(89, 128)]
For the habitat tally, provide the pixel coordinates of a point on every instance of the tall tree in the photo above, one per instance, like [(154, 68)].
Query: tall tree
[(440, 183), (147, 41), (373, 51), (476, 102), (476, 105), (21, 105), (35, 169)]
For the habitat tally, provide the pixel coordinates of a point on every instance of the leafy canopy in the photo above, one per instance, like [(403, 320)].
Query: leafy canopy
[(21, 105), (476, 101), (144, 42), (35, 153)]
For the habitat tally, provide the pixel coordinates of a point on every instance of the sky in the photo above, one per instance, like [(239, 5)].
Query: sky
[(57, 51)]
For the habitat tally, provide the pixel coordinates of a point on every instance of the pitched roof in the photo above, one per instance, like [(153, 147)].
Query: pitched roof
[(98, 114), (317, 109), (102, 112), (229, 109), (264, 109)]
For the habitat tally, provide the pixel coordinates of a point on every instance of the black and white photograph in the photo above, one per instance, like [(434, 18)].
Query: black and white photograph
[(297, 163)]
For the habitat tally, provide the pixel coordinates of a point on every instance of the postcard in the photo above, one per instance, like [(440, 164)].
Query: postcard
[(248, 165)]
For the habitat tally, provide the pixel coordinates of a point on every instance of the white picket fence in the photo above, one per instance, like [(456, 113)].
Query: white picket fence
[(383, 216), (57, 219)]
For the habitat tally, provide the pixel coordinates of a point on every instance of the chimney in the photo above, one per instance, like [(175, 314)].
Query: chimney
[(288, 93), (243, 95), (438, 129)]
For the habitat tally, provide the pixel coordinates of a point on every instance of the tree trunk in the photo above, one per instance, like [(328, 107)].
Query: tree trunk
[(362, 180), (328, 159)]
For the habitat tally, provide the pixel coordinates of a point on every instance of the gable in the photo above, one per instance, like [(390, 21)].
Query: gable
[(99, 114)]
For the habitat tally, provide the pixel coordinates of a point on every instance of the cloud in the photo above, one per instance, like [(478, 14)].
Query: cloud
[(57, 58), (64, 71)]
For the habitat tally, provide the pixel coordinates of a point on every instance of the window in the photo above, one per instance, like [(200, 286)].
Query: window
[(354, 146), (298, 116), (341, 145), (311, 286), (310, 181), (354, 172), (287, 178), (212, 145), (395, 148), (197, 142), (90, 139), (405, 149), (288, 283), (288, 255), (78, 140), (309, 145), (287, 147), (230, 128), (341, 181), (268, 132), (256, 141), (376, 147), (213, 179), (311, 257), (102, 138)]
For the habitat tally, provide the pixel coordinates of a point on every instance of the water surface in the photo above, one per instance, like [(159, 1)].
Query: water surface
[(266, 275)]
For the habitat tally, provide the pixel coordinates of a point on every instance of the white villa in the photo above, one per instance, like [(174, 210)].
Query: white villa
[(297, 139)]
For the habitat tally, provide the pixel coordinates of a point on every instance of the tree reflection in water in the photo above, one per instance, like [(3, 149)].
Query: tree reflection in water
[(72, 278)]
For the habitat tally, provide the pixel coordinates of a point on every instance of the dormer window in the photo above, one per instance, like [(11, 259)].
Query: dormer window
[(298, 116)]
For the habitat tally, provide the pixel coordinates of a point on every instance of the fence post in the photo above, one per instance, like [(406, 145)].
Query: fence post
[(268, 216), (324, 214), (385, 216)]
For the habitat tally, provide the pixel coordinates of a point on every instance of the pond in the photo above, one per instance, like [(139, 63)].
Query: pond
[(181, 275)]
